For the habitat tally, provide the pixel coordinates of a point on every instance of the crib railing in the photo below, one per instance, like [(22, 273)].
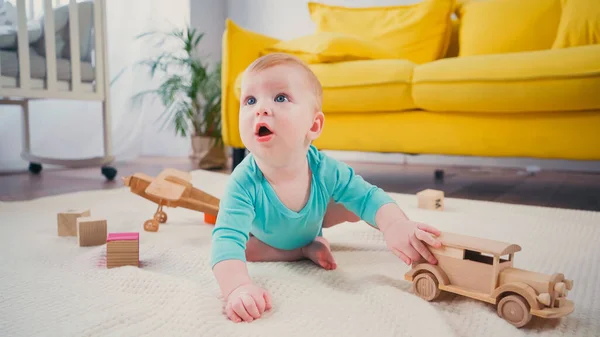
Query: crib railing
[(21, 90), (51, 88)]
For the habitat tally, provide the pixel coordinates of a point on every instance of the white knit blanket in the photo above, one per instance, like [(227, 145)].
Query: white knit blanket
[(49, 286)]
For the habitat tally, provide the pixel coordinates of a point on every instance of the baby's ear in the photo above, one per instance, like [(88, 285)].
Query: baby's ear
[(317, 126)]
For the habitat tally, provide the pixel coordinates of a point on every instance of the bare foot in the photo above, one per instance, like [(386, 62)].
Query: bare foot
[(320, 253)]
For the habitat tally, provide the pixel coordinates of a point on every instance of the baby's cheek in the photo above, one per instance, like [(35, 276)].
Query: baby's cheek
[(245, 123), (289, 127), (246, 131)]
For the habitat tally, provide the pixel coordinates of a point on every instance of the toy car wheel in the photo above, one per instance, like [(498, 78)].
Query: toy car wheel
[(161, 217), (151, 225), (425, 285), (515, 310)]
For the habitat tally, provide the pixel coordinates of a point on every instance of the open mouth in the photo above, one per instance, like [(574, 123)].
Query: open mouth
[(263, 130)]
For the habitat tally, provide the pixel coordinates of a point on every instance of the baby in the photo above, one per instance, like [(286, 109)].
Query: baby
[(280, 196)]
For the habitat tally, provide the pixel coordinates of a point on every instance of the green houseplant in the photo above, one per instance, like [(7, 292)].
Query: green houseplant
[(190, 91)]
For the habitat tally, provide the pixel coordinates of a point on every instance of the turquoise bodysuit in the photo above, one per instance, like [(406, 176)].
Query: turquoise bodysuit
[(250, 205)]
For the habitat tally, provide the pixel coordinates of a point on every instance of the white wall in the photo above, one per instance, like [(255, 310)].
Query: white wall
[(137, 132), (209, 16)]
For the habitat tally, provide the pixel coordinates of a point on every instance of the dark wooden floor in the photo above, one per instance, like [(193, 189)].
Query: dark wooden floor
[(546, 188), (573, 190)]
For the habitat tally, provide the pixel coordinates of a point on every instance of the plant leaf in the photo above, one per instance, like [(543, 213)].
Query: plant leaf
[(188, 89)]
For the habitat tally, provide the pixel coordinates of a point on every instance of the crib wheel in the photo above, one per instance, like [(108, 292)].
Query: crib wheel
[(109, 172), (35, 168)]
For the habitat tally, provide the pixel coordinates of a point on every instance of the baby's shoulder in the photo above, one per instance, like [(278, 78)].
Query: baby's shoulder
[(245, 177), (321, 161), (324, 167)]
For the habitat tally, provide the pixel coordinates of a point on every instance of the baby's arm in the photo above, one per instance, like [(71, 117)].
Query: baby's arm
[(229, 238), (245, 301), (403, 236), (230, 275), (352, 191)]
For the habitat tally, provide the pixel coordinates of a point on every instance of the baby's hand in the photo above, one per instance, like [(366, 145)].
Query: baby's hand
[(247, 303), (404, 240)]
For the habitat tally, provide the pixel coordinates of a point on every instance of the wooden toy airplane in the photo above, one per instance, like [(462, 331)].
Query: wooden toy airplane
[(172, 188)]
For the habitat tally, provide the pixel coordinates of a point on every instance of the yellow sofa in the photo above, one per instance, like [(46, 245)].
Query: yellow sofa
[(539, 103)]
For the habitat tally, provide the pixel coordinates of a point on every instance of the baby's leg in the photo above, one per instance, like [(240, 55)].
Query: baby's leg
[(258, 251), (318, 251), (337, 214)]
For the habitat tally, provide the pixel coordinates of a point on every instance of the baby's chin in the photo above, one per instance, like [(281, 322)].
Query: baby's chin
[(274, 155)]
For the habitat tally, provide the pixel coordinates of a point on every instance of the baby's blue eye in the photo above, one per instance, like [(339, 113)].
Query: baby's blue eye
[(281, 98), (251, 100)]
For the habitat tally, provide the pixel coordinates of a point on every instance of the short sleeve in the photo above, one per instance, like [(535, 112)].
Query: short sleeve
[(351, 190), (232, 228)]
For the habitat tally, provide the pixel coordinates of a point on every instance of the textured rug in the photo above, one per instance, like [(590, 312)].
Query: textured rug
[(49, 286)]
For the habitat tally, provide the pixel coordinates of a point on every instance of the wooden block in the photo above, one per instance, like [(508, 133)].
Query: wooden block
[(67, 221), (431, 199), (122, 249), (91, 231)]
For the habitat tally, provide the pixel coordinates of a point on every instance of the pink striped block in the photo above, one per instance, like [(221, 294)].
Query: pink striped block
[(123, 236)]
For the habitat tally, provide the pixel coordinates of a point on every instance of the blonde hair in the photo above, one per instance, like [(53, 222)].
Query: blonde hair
[(274, 59)]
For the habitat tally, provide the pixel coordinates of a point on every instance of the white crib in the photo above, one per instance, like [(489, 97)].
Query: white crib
[(53, 66)]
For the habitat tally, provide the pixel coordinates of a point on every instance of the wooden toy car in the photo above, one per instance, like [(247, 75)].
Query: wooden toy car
[(172, 188), (483, 269)]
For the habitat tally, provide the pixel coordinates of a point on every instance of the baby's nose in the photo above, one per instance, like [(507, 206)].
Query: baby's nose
[(263, 111)]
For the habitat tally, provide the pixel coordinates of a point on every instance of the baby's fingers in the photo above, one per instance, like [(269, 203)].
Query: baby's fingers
[(268, 303), (422, 249), (231, 314), (402, 256), (430, 229), (240, 310), (260, 302), (251, 306), (427, 238)]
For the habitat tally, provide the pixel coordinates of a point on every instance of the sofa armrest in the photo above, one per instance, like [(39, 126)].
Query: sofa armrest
[(240, 47)]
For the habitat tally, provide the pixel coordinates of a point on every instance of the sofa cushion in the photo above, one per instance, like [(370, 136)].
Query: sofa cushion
[(579, 24), (326, 47), (547, 80), (362, 86), (506, 26), (417, 32)]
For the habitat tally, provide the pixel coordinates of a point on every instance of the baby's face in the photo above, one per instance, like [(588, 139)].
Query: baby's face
[(278, 113)]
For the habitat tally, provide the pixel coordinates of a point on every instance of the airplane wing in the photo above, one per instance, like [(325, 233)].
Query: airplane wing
[(170, 172), (165, 190)]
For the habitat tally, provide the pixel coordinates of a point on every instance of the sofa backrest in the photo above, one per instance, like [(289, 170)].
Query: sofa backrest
[(482, 27)]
